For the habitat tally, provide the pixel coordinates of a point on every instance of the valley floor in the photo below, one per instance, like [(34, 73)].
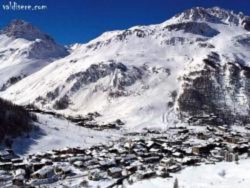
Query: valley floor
[(54, 133), (219, 175)]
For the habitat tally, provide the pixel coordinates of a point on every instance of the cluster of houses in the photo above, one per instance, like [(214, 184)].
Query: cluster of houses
[(88, 121), (135, 157)]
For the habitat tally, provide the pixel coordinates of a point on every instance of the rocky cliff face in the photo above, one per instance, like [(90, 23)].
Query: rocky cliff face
[(218, 91)]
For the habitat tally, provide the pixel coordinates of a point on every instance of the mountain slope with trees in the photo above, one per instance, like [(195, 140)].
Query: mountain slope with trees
[(14, 120)]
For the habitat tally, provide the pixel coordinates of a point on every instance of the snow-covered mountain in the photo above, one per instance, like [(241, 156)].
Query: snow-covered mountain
[(24, 50), (196, 64)]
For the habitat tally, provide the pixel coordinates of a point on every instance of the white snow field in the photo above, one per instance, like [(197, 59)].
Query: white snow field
[(220, 175)]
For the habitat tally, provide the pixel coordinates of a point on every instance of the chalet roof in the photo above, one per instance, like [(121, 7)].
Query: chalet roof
[(144, 173), (184, 160), (130, 157), (4, 153), (172, 167), (92, 167), (79, 158), (154, 150), (19, 172), (7, 155), (5, 163), (78, 163), (19, 164), (177, 154), (128, 145), (136, 163), (151, 158), (16, 160), (45, 170), (19, 177), (115, 170), (107, 162), (167, 160), (45, 161), (150, 143)]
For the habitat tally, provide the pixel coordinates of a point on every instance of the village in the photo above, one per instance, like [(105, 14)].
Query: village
[(136, 156)]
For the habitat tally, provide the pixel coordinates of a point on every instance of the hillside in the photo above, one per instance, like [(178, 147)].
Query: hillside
[(192, 67), (24, 50), (14, 121)]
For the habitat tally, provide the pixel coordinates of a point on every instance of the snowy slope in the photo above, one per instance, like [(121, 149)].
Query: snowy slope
[(143, 74), (55, 133), (24, 50), (220, 175)]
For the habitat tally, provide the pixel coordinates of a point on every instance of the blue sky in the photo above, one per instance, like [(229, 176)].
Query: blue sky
[(70, 21)]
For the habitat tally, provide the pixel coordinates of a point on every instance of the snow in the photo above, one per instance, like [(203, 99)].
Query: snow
[(220, 175), (162, 56), (145, 104), (54, 133), (22, 57), (45, 170)]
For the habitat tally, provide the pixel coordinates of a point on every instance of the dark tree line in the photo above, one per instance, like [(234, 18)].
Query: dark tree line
[(14, 120)]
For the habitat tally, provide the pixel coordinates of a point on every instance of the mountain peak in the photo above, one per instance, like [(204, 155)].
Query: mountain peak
[(17, 22), (23, 29), (40, 45), (212, 15)]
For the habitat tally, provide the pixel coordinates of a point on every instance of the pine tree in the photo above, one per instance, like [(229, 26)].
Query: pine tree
[(176, 184)]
